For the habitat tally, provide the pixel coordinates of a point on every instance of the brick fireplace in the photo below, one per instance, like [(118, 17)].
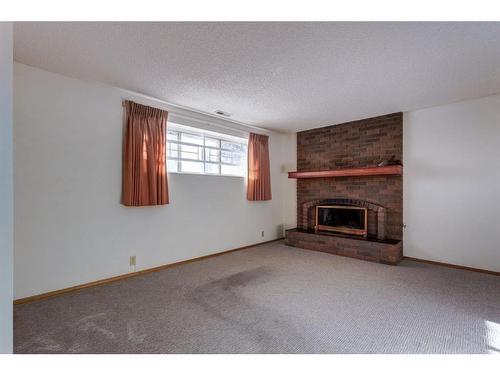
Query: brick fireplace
[(357, 144)]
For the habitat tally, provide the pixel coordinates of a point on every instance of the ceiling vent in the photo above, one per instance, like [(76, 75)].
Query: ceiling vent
[(222, 113)]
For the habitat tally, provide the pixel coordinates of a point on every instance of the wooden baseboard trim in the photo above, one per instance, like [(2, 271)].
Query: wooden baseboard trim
[(75, 288), (453, 266)]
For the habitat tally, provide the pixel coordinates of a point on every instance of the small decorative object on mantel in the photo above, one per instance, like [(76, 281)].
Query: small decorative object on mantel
[(391, 161)]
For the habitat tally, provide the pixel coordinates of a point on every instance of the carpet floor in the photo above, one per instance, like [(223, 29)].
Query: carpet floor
[(272, 299)]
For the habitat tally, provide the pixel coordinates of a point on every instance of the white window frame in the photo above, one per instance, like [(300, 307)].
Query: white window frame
[(188, 130)]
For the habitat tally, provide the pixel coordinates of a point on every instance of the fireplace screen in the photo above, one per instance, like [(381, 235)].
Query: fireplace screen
[(342, 219)]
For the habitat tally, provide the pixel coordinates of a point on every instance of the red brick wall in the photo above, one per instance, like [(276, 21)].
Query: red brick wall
[(360, 143)]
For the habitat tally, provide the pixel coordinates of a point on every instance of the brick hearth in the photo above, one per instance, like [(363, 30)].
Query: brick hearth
[(387, 252)]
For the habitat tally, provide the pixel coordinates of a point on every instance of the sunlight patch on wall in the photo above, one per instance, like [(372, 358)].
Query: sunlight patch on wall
[(493, 336)]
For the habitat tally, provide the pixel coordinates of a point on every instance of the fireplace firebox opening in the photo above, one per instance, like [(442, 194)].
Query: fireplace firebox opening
[(342, 219)]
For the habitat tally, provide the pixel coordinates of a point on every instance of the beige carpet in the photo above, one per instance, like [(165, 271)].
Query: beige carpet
[(273, 299)]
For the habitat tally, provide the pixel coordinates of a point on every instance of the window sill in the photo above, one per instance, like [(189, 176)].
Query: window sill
[(206, 174)]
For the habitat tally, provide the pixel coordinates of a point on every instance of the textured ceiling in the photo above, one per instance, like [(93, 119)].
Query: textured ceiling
[(283, 76)]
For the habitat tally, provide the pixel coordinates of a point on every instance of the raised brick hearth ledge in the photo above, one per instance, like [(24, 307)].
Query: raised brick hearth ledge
[(371, 249)]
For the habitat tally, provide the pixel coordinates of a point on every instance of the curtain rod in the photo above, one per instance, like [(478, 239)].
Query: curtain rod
[(187, 109)]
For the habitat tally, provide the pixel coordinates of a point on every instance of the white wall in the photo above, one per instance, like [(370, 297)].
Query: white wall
[(452, 183), (289, 195), (70, 227), (6, 194)]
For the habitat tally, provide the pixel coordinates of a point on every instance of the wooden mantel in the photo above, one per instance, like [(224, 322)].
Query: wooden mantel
[(388, 170)]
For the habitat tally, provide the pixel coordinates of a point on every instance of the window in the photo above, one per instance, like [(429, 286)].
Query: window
[(192, 150)]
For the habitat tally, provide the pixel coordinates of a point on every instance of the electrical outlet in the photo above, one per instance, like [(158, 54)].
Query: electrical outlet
[(262, 234), (132, 260)]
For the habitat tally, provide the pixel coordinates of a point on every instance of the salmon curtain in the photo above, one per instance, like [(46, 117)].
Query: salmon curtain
[(144, 181), (259, 175)]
